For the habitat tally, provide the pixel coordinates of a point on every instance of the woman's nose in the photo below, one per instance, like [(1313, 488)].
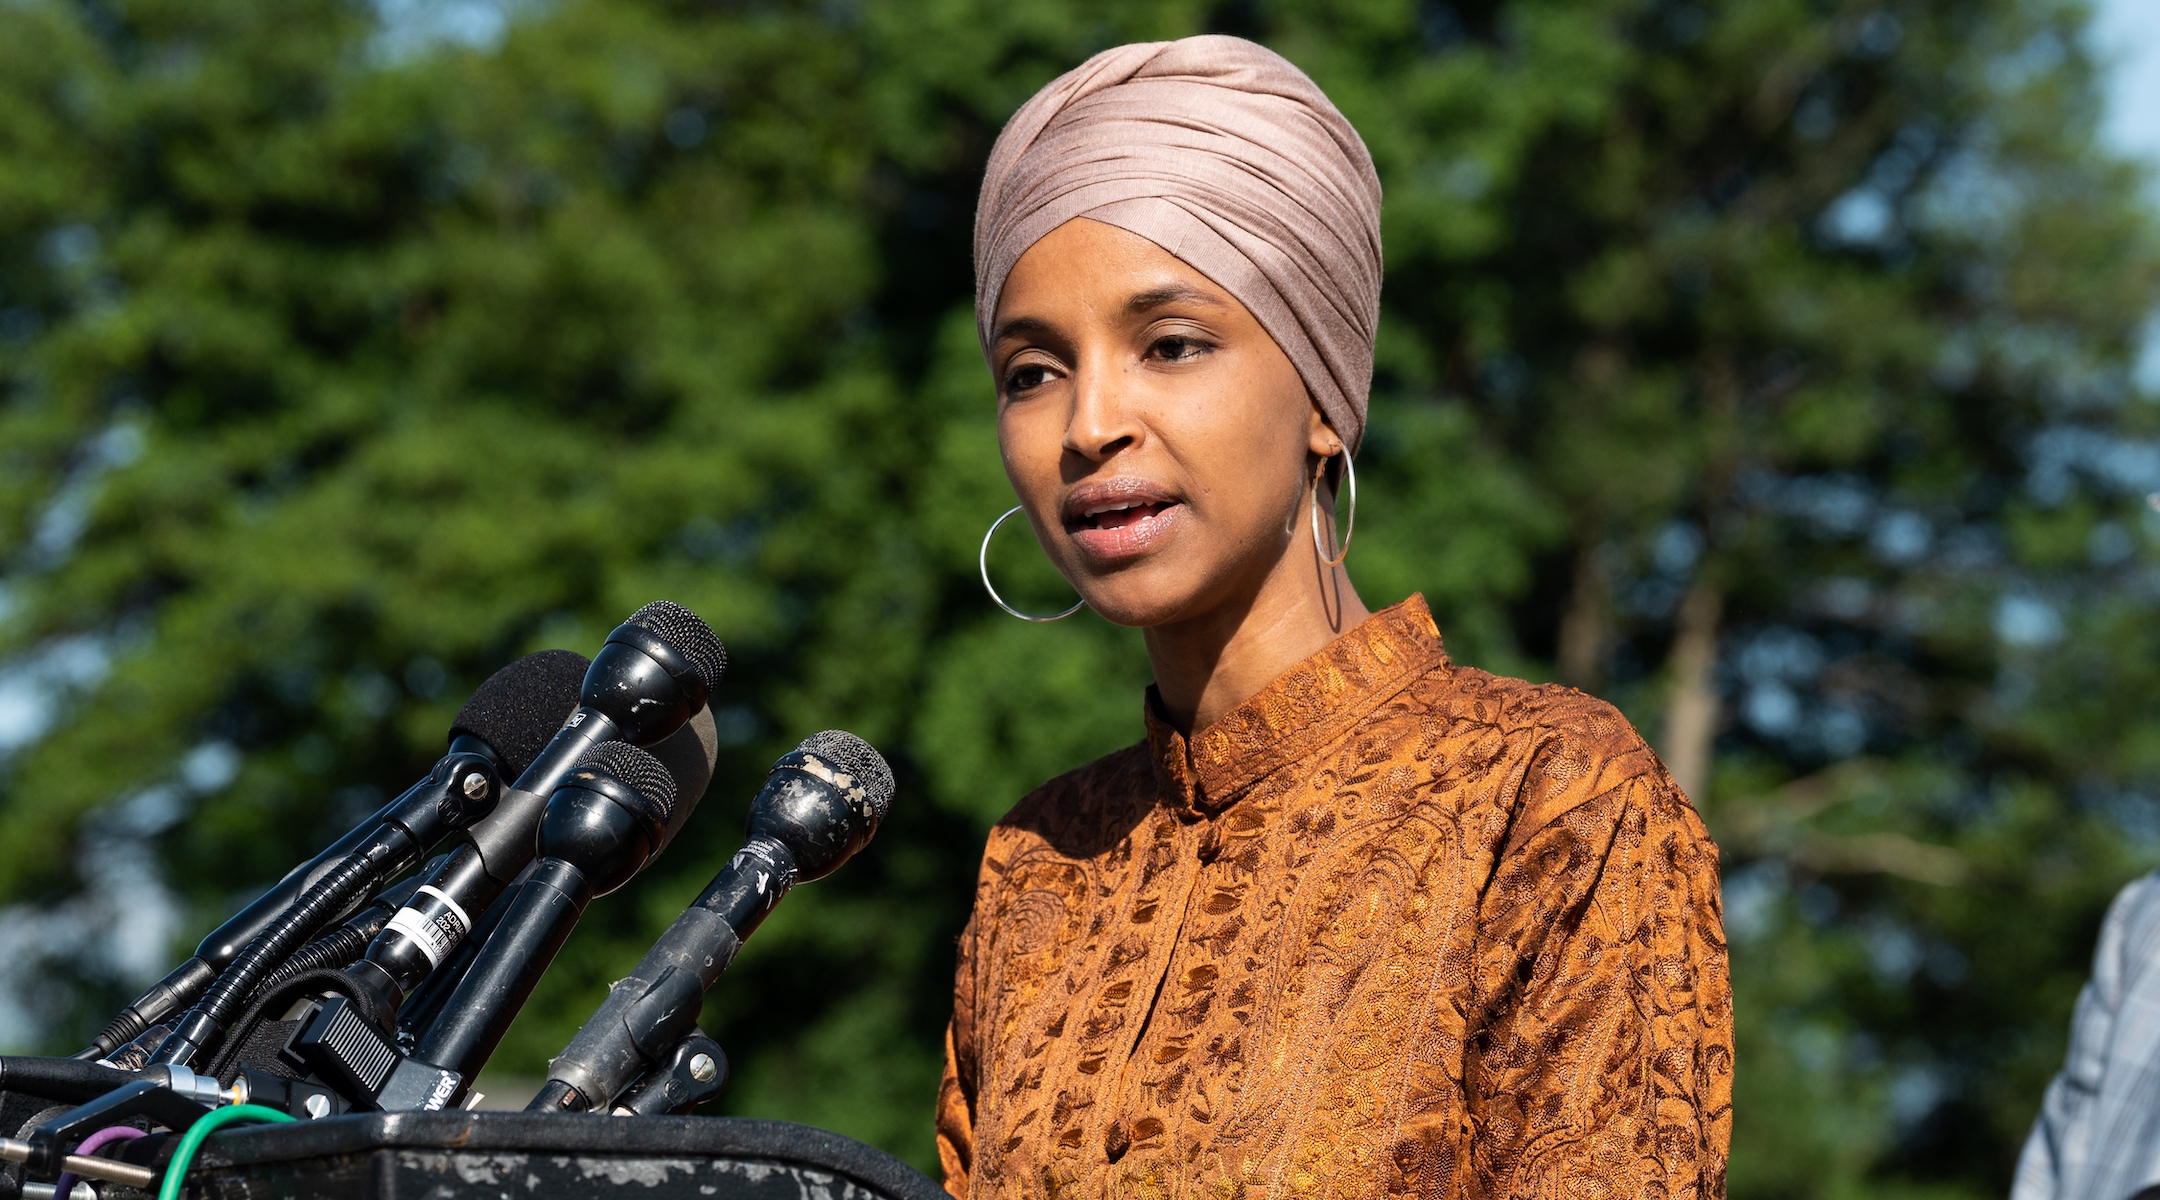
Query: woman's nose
[(1102, 422)]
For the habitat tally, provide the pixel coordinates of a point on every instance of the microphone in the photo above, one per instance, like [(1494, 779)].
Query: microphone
[(690, 757), (654, 674), (508, 719), (345, 1040), (462, 790), (822, 802), (603, 825)]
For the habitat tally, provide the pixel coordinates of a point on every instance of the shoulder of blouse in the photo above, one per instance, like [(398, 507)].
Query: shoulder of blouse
[(1572, 746), (1519, 707)]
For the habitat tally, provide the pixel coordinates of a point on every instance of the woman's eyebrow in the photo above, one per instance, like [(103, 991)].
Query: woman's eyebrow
[(1019, 325), (1175, 293)]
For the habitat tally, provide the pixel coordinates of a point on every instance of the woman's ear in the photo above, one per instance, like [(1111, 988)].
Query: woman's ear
[(1320, 438)]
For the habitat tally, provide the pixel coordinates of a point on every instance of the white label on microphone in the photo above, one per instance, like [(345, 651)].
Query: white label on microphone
[(436, 925)]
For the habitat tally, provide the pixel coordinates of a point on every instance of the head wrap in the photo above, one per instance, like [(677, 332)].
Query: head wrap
[(1225, 155)]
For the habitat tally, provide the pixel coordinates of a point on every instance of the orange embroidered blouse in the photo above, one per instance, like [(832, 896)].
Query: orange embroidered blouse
[(1392, 927)]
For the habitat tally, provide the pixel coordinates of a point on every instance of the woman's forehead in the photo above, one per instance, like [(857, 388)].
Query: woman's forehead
[(1088, 267)]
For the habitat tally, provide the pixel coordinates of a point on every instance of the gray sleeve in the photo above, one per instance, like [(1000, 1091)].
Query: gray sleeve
[(2058, 1151)]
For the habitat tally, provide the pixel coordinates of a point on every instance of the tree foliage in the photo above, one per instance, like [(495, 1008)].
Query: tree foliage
[(1762, 366)]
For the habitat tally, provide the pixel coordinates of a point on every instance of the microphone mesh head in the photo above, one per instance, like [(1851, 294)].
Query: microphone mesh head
[(636, 768), (688, 634), (859, 759), (521, 706)]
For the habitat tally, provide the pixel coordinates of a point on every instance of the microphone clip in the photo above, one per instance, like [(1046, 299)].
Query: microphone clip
[(366, 1068), (692, 1073)]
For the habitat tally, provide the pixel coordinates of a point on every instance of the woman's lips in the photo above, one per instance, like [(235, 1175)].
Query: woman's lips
[(1122, 524), (1120, 518)]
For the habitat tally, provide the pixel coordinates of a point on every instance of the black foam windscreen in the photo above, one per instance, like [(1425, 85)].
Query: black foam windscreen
[(636, 768), (521, 706), (688, 634), (859, 759)]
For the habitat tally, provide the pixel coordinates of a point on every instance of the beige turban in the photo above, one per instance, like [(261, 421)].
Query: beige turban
[(1221, 152)]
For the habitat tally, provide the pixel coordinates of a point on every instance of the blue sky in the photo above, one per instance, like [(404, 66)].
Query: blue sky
[(2127, 34)]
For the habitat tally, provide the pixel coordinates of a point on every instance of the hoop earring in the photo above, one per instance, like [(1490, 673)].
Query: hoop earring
[(1350, 474), (983, 560)]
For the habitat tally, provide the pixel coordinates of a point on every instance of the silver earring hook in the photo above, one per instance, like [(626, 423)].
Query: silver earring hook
[(983, 560), (1350, 475)]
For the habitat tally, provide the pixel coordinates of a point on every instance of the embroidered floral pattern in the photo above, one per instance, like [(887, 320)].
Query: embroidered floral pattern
[(1389, 928)]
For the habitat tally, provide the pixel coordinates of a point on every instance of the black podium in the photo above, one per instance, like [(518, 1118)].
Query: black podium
[(543, 1156)]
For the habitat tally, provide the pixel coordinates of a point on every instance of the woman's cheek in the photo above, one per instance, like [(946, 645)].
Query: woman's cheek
[(1032, 450), (1247, 465)]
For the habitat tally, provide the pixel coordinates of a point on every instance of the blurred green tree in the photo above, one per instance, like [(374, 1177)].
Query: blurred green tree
[(1762, 366)]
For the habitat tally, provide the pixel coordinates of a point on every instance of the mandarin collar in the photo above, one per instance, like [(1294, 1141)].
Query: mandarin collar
[(1308, 706)]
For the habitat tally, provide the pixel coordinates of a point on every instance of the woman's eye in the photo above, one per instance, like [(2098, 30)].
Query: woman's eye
[(1178, 349), (1026, 378)]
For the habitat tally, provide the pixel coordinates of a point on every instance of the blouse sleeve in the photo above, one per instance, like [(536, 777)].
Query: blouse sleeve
[(1601, 1045), (957, 1090)]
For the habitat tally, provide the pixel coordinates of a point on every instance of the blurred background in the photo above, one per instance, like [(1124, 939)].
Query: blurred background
[(1781, 370)]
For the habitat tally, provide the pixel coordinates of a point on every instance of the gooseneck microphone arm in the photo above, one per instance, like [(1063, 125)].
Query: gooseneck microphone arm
[(510, 716), (463, 787), (602, 826), (187, 982), (822, 802)]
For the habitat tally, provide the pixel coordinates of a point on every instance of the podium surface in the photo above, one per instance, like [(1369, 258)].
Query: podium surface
[(511, 1156)]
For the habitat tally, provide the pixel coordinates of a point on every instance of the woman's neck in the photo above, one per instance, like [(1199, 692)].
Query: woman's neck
[(1209, 664)]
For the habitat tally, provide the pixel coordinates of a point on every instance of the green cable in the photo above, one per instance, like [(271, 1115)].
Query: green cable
[(176, 1171)]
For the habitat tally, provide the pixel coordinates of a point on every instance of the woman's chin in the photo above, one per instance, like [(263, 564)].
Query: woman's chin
[(1124, 606), (1146, 594)]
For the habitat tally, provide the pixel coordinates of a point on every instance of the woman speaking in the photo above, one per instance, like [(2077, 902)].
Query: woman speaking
[(1353, 921)]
